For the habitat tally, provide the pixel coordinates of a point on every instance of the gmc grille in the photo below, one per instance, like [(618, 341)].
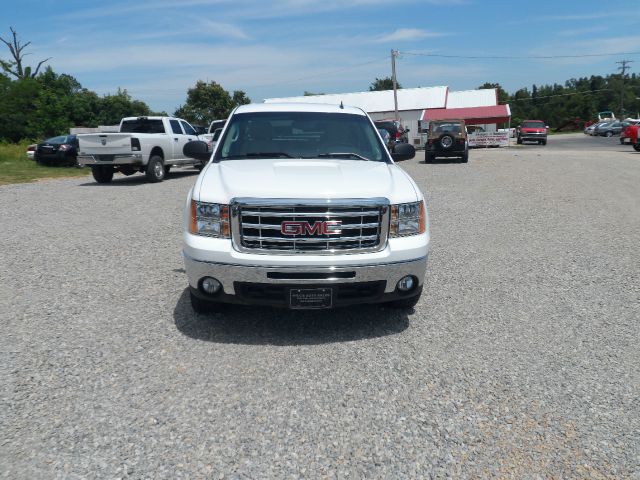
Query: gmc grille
[(257, 226)]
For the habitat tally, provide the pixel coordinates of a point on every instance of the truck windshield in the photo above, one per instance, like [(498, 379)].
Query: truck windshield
[(142, 125), (301, 135), (533, 125)]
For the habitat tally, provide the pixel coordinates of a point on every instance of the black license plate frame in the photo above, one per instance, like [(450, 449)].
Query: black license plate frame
[(310, 298)]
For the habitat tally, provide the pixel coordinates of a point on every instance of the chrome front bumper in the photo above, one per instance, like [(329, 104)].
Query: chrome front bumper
[(227, 274)]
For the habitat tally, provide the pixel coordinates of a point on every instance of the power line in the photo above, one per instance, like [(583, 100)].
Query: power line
[(517, 57), (623, 68)]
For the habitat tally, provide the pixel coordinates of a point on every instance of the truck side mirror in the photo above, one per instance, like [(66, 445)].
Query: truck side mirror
[(197, 149), (403, 151)]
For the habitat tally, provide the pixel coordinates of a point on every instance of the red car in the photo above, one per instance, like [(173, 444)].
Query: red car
[(532, 131), (630, 135)]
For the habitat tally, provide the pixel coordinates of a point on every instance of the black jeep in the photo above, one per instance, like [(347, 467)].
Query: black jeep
[(446, 138)]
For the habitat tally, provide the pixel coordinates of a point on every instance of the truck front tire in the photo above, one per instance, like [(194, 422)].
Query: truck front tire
[(102, 173), (155, 171)]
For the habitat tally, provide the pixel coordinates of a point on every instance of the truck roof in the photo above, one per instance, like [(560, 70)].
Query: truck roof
[(298, 107), (150, 117)]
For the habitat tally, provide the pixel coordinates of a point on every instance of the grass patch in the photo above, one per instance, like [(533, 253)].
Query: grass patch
[(15, 167)]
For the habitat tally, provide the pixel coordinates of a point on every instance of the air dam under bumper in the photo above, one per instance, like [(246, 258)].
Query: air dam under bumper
[(377, 282)]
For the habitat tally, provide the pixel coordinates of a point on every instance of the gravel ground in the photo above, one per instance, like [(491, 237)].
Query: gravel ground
[(520, 361)]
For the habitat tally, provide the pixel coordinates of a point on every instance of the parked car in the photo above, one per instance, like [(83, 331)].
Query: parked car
[(447, 139), (396, 130), (611, 129), (475, 129), (200, 130), (149, 145), (630, 134), (211, 143), (589, 129), (31, 151), (61, 150), (532, 131), (260, 228), (386, 138)]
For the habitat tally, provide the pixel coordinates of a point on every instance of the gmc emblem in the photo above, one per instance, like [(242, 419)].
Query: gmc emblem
[(330, 227)]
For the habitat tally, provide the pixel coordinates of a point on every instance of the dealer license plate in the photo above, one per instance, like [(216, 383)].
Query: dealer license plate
[(310, 298)]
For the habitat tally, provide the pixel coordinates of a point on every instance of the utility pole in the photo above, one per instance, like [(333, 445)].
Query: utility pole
[(623, 68), (394, 54)]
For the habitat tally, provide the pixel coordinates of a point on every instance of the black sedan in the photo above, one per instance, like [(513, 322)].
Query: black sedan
[(62, 150)]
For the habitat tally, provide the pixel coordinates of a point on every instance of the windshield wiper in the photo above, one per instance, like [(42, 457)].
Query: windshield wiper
[(343, 154)]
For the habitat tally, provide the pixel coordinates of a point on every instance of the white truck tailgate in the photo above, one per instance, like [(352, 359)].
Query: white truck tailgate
[(104, 143)]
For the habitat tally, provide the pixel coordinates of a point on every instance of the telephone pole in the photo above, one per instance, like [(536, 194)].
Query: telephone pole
[(623, 69), (394, 54)]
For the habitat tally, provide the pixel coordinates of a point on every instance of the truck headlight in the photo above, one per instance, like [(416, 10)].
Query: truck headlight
[(408, 219), (209, 219)]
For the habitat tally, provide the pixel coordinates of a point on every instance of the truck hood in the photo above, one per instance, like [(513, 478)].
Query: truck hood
[(297, 178)]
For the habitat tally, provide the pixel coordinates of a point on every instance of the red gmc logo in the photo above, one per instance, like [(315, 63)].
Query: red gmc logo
[(330, 227)]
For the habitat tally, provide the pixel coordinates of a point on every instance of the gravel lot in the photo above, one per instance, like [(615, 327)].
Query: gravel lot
[(521, 360)]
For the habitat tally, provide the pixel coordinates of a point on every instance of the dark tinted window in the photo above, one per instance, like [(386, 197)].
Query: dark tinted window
[(175, 127), (142, 125)]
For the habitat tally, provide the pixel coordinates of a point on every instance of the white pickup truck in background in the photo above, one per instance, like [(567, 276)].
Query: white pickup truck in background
[(212, 135), (149, 145)]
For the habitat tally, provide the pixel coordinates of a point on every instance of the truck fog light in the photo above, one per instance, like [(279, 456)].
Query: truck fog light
[(406, 283), (210, 285)]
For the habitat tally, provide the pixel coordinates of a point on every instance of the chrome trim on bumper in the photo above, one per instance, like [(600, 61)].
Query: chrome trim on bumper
[(227, 273), (120, 159)]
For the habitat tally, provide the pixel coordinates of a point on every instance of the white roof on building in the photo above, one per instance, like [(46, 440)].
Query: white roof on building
[(379, 101), (485, 97)]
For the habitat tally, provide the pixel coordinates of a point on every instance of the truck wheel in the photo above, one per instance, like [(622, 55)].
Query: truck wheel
[(636, 147), (543, 142), (465, 157), (155, 169), (102, 173), (204, 306), (608, 134), (519, 141)]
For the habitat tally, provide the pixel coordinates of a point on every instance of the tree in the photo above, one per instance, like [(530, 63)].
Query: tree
[(15, 67), (240, 98), (383, 84), (207, 102), (115, 107)]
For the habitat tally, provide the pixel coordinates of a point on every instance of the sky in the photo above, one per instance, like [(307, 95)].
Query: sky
[(158, 49)]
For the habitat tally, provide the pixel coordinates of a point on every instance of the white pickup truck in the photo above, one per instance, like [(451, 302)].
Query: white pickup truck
[(149, 145), (212, 135), (302, 207)]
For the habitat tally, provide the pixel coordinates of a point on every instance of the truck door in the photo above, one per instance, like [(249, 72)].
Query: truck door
[(178, 140)]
